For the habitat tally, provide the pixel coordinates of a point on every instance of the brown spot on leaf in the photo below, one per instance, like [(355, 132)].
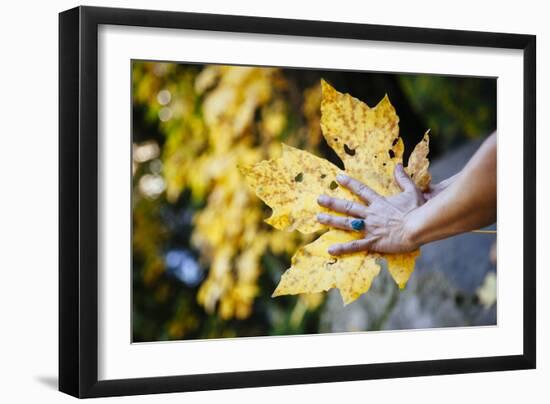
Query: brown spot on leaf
[(349, 150)]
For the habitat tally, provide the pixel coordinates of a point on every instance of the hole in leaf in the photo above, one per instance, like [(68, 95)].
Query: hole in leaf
[(332, 261), (323, 176), (391, 153), (384, 164), (335, 139), (395, 141), (299, 177), (333, 185), (349, 151)]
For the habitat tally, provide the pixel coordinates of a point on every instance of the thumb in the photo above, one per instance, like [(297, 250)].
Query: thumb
[(403, 180)]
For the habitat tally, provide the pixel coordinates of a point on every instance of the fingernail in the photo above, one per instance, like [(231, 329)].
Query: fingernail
[(341, 178), (322, 217), (332, 250), (322, 199)]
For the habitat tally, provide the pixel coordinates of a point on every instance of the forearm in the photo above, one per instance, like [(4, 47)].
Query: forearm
[(468, 203), (436, 189)]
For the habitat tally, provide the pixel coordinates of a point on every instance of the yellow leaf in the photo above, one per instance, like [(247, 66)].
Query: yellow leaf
[(401, 266), (368, 143), (315, 270), (487, 292), (366, 139), (418, 163), (291, 184)]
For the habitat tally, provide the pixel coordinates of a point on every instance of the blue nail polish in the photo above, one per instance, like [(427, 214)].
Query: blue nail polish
[(357, 224)]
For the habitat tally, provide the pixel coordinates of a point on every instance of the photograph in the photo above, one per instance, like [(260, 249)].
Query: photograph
[(273, 201), (252, 201)]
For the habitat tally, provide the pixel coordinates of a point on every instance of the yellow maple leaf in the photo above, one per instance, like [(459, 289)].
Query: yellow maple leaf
[(368, 143)]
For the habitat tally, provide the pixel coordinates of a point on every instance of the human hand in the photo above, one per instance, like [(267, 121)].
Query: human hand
[(382, 220)]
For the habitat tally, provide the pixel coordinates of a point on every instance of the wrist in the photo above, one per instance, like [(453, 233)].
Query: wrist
[(412, 230)]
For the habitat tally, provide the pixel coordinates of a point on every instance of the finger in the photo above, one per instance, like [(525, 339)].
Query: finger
[(341, 222), (352, 246), (403, 180), (341, 205), (358, 188)]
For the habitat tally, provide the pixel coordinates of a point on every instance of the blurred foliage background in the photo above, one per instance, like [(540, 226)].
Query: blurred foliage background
[(204, 262)]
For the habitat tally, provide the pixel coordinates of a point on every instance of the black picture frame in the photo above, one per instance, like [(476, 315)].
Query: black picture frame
[(78, 200)]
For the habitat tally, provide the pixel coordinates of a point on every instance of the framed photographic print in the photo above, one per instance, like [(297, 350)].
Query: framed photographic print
[(251, 201)]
